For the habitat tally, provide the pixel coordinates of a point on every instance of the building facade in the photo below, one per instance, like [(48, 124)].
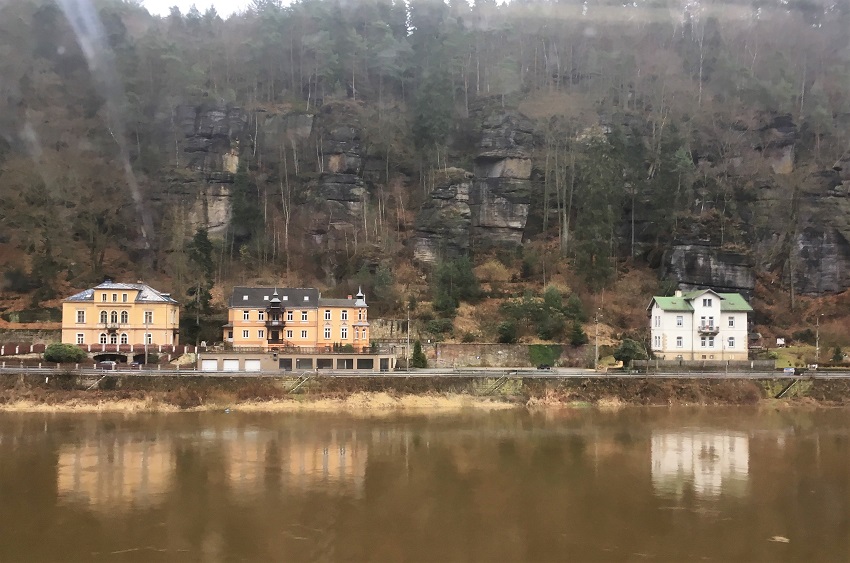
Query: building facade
[(120, 313), (270, 318), (699, 325)]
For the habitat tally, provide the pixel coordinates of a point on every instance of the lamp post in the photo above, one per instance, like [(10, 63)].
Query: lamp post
[(146, 338), (817, 339), (596, 343), (407, 348)]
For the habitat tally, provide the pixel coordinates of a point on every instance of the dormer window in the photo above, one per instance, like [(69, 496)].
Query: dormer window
[(706, 302), (265, 297), (306, 298), (244, 298), (286, 298)]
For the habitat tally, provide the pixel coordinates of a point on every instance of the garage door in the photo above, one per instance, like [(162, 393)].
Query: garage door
[(231, 365), (209, 365), (252, 365)]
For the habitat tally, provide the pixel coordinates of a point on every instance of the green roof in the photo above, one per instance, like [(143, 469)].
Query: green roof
[(734, 302), (729, 302)]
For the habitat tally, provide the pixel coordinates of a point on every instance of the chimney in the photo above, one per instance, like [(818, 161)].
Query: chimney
[(351, 297), (678, 293)]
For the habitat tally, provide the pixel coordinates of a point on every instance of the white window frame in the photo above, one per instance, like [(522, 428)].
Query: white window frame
[(245, 334), (303, 316), (327, 333), (289, 334), (148, 338), (123, 298), (102, 338), (148, 317), (124, 338), (327, 314), (303, 335), (344, 315), (680, 342), (680, 320), (246, 315), (731, 322), (289, 316), (356, 333), (81, 338), (103, 297), (104, 317), (261, 334), (113, 338), (113, 317), (125, 317), (657, 321), (115, 298), (261, 315), (343, 333), (81, 316), (703, 341), (730, 343), (711, 342), (706, 302)]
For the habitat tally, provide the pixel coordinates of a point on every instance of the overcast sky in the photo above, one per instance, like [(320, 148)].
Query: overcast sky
[(223, 7)]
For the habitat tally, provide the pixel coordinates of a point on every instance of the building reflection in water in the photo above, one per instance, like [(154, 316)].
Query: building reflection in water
[(109, 473), (113, 472), (710, 462)]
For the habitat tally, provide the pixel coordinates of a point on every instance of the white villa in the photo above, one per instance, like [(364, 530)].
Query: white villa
[(699, 325)]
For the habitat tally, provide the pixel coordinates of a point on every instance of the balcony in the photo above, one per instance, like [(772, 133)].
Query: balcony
[(110, 327), (274, 324), (709, 330)]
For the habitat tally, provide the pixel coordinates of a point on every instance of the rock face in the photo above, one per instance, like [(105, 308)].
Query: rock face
[(696, 266), (501, 195), (442, 226), (777, 143)]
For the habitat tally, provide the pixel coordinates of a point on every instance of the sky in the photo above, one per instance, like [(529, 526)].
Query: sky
[(223, 7)]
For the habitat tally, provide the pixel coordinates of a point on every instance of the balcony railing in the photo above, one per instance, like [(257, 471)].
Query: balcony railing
[(709, 329), (273, 324)]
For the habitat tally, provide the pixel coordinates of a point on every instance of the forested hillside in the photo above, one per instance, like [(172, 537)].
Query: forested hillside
[(406, 147)]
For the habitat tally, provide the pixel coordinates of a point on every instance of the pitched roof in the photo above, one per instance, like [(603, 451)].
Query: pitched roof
[(146, 294), (729, 302), (259, 297)]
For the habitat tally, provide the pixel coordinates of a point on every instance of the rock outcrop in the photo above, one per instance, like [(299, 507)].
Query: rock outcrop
[(501, 196), (443, 224), (696, 266)]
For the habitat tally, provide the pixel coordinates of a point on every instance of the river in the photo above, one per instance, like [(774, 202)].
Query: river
[(684, 484)]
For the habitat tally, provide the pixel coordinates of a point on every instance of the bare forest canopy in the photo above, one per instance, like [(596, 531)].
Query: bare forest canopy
[(335, 143)]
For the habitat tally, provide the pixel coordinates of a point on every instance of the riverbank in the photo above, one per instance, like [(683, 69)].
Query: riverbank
[(171, 394)]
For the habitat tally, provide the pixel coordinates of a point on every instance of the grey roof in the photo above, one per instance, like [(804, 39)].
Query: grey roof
[(146, 294), (336, 302), (259, 297)]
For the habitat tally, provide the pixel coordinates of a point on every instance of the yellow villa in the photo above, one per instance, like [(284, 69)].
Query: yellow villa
[(269, 318), (120, 313)]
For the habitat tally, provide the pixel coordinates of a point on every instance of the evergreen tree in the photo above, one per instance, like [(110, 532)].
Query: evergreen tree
[(418, 359)]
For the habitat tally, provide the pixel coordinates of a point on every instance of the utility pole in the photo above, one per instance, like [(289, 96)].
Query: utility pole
[(146, 337), (407, 349), (817, 339)]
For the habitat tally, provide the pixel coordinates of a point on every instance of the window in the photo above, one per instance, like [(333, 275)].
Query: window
[(710, 322), (679, 342), (113, 338), (702, 322), (246, 315), (343, 333), (657, 321), (261, 315), (148, 317), (81, 338), (359, 314), (244, 298), (230, 335), (702, 341), (124, 338), (81, 317), (103, 297), (344, 315), (303, 334), (115, 298), (656, 342), (711, 342), (327, 333), (261, 334), (731, 342), (289, 315), (327, 314), (680, 320), (244, 334), (303, 316), (706, 302), (356, 333), (306, 298), (113, 317), (104, 317), (148, 338), (102, 338), (125, 316), (731, 322), (123, 297), (289, 334)]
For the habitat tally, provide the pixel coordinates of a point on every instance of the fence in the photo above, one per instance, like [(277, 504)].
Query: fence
[(683, 366)]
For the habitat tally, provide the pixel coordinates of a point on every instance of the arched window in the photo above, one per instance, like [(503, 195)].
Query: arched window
[(113, 317), (113, 338), (103, 317), (124, 317), (102, 338), (124, 339)]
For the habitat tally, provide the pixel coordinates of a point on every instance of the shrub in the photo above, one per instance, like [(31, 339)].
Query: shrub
[(507, 332), (418, 359), (544, 354), (439, 326), (577, 335), (629, 350), (64, 353), (806, 336), (467, 337), (837, 355)]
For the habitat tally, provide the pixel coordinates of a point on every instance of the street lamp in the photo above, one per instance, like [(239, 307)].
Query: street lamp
[(146, 338), (817, 339), (596, 343), (407, 348)]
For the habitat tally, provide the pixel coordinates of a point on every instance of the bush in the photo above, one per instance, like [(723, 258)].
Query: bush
[(577, 335), (418, 359), (507, 332), (629, 350), (64, 353), (439, 326), (467, 337), (544, 354), (806, 336)]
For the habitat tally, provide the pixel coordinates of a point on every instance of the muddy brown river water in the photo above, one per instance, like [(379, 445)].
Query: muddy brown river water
[(638, 484)]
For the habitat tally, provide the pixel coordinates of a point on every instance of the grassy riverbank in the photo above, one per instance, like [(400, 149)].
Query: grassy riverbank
[(133, 394)]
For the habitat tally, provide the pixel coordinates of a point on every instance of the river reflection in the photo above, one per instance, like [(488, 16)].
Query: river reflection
[(710, 462), (585, 485)]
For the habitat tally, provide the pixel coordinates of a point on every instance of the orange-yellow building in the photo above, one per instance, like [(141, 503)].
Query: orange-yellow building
[(120, 313), (271, 318)]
